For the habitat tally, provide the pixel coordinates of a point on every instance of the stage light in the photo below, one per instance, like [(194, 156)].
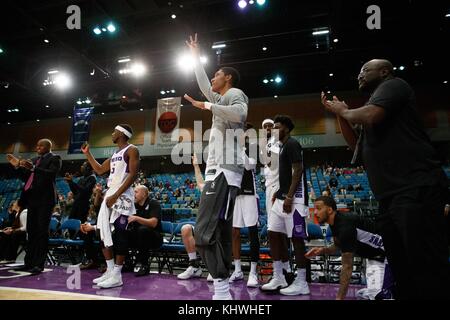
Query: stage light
[(251, 2), (264, 48), (38, 120), (242, 4), (1, 50), (46, 41), (445, 82), (138, 69), (103, 113), (97, 30), (172, 91), (9, 123), (79, 102), (278, 79), (141, 109), (265, 81), (69, 117), (203, 60), (187, 62), (173, 16), (335, 40), (62, 81), (111, 28), (401, 68), (331, 74), (88, 101), (275, 96), (260, 2), (47, 106), (447, 15), (104, 29), (162, 92)]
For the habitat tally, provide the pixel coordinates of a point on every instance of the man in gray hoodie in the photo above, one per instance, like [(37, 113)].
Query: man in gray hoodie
[(224, 168)]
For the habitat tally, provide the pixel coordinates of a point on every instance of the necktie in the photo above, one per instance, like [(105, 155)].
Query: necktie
[(30, 179)]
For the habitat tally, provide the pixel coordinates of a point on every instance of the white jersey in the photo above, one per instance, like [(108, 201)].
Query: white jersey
[(119, 169), (271, 172)]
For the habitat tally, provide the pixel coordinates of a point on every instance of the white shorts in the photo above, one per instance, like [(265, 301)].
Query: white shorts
[(245, 212), (283, 222), (270, 191)]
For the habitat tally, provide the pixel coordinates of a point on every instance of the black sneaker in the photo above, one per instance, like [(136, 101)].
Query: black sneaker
[(143, 271)]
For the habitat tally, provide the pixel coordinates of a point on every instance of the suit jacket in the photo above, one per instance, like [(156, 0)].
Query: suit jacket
[(43, 188)]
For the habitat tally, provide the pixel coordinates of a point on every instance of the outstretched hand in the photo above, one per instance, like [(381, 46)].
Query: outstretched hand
[(195, 103), (13, 160), (193, 44)]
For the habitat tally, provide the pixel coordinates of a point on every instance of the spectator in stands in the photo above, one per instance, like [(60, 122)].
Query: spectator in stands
[(39, 197), (358, 187), (354, 235), (405, 176), (82, 191), (333, 183), (350, 188), (57, 212), (177, 193), (68, 204), (11, 237), (326, 192)]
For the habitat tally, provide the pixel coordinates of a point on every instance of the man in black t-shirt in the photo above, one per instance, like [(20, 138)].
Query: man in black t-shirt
[(353, 234), (287, 217), (405, 176), (143, 231)]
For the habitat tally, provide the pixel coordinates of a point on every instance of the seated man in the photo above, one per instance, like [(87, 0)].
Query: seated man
[(12, 237), (354, 235), (144, 230)]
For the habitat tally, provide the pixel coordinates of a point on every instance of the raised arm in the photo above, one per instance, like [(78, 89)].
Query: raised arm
[(200, 74), (98, 168)]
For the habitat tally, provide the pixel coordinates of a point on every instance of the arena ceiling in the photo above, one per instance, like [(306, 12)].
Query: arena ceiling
[(34, 39)]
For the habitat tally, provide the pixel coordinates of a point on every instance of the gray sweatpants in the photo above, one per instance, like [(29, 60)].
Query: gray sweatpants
[(213, 226)]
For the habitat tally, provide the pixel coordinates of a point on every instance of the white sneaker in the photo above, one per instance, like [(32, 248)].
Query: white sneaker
[(237, 275), (209, 278), (111, 282), (105, 276), (296, 288), (190, 272), (275, 283), (252, 280), (222, 296)]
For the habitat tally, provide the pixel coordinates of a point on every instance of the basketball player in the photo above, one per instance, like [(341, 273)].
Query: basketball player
[(289, 209), (118, 203), (229, 107), (354, 235), (270, 155), (245, 215)]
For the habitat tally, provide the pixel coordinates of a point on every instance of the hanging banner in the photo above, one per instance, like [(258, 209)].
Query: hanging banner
[(81, 124), (167, 120)]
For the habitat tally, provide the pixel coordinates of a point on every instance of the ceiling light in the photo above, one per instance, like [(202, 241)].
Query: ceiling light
[(320, 32), (62, 81), (173, 16), (264, 48), (260, 2), (335, 40), (275, 96), (331, 74), (103, 113), (38, 120), (53, 71), (401, 68), (104, 29), (124, 60), (218, 46), (97, 30), (111, 27), (47, 106), (278, 79), (46, 41), (265, 81), (141, 109), (162, 92), (242, 4)]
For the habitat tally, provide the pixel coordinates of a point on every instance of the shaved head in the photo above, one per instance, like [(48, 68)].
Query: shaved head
[(373, 73), (43, 146), (381, 64)]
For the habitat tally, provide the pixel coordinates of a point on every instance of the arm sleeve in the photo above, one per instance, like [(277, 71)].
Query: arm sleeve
[(236, 112), (391, 95), (204, 84), (53, 168)]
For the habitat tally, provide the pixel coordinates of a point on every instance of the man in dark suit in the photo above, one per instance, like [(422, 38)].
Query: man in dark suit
[(82, 191), (39, 196)]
